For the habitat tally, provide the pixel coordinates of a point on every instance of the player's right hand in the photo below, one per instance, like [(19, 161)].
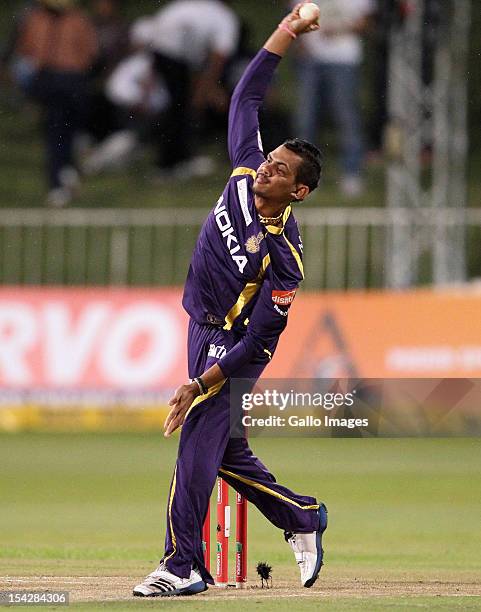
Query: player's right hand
[(298, 25)]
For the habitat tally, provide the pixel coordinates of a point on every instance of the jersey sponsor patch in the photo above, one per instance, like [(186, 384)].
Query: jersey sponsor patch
[(283, 298), (280, 311), (217, 351), (301, 246), (225, 226)]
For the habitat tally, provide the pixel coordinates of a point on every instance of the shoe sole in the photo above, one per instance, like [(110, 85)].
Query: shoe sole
[(193, 589), (320, 550)]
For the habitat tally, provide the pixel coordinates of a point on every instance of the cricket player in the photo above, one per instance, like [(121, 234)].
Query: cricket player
[(244, 273)]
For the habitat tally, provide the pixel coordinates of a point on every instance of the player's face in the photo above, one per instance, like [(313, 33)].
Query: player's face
[(277, 177)]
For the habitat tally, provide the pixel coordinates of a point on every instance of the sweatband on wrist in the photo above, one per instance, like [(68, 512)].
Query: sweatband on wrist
[(202, 386)]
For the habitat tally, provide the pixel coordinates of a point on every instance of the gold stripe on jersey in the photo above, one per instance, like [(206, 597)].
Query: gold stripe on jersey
[(241, 171), (246, 295), (274, 229), (296, 256), (244, 298), (265, 263)]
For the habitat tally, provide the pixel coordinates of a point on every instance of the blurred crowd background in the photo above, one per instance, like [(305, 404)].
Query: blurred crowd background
[(130, 98)]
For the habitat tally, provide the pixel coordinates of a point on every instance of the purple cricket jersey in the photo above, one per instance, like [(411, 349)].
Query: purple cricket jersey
[(244, 275)]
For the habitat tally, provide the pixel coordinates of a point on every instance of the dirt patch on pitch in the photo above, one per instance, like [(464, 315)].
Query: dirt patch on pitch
[(119, 588)]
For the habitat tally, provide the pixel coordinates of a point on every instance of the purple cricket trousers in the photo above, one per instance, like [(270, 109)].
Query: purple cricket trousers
[(206, 451)]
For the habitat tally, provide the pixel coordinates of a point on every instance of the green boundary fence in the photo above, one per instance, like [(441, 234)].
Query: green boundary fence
[(344, 248)]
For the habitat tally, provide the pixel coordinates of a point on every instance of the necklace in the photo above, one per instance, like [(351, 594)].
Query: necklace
[(270, 220)]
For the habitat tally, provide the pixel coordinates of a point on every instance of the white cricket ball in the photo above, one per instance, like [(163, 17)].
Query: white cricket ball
[(309, 11)]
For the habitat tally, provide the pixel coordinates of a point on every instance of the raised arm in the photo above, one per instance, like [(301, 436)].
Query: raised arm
[(243, 139), (245, 149)]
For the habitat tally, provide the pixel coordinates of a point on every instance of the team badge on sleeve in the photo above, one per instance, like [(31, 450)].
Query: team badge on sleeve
[(283, 298)]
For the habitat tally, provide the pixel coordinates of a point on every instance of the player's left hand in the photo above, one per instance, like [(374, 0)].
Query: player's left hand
[(181, 402)]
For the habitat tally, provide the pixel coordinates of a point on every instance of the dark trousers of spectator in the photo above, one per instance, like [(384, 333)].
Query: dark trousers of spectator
[(175, 139), (335, 86), (64, 99), (104, 117), (379, 110)]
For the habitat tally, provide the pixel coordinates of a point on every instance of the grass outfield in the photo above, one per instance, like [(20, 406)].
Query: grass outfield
[(86, 513)]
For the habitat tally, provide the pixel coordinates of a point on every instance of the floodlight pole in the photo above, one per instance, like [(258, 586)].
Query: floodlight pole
[(406, 101), (427, 106), (451, 143)]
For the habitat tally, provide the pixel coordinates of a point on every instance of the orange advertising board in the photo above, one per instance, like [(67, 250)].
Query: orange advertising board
[(410, 334), (135, 339), (109, 359), (92, 339)]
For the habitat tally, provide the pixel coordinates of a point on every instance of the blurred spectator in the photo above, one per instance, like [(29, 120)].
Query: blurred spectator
[(382, 23), (12, 65), (328, 73), (112, 34), (139, 97), (58, 44), (191, 40), (388, 14), (113, 39)]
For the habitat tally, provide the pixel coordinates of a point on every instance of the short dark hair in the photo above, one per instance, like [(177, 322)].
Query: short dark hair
[(310, 170)]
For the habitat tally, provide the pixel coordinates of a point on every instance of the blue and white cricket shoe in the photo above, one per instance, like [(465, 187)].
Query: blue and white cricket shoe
[(162, 583), (308, 549)]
